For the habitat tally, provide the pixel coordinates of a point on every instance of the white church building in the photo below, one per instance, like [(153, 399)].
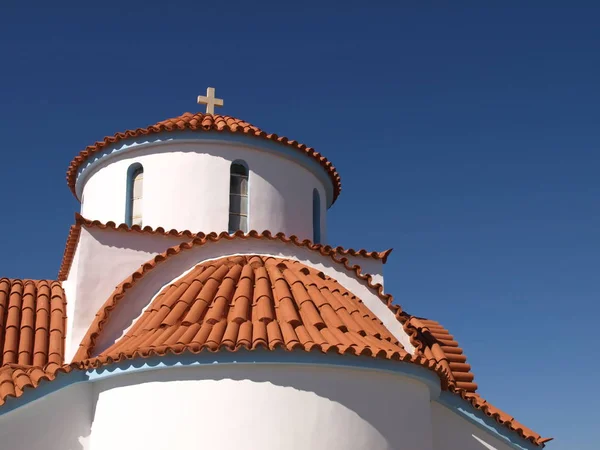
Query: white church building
[(183, 321)]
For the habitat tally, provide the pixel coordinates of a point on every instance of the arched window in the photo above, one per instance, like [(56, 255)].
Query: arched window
[(316, 217), (135, 185), (238, 197)]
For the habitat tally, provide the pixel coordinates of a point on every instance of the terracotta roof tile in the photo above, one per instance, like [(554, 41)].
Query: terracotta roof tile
[(436, 342), (203, 122), (32, 322), (69, 252), (75, 231), (88, 342), (15, 378), (274, 311)]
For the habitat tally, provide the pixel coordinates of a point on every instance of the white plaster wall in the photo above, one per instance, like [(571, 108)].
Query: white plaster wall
[(59, 421), (186, 187), (451, 431), (271, 407), (103, 259), (70, 288), (141, 295)]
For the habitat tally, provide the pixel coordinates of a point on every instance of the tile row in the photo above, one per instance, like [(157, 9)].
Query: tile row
[(32, 322)]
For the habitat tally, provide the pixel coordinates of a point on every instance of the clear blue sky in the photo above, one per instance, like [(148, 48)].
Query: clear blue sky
[(467, 138)]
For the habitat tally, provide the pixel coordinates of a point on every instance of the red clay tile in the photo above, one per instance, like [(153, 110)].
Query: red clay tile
[(435, 342), (273, 320), (31, 334)]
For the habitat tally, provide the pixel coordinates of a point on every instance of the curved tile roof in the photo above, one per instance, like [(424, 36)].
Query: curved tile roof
[(32, 322), (203, 122), (87, 345), (325, 250), (255, 301), (436, 342)]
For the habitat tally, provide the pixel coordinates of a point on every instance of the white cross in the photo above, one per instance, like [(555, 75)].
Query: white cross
[(210, 101)]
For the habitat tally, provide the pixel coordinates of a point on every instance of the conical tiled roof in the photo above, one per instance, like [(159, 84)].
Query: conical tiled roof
[(203, 122)]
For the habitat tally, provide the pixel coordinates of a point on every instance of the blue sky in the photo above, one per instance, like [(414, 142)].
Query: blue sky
[(467, 138)]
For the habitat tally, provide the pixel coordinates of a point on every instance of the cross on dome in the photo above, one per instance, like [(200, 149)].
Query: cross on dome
[(210, 100)]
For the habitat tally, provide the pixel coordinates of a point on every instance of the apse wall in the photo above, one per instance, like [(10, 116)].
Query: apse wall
[(451, 431), (58, 421), (186, 186), (271, 407)]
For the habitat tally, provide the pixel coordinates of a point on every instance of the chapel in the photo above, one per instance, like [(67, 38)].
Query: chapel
[(181, 320)]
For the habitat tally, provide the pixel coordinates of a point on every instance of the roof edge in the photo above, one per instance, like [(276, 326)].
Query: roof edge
[(429, 337), (69, 252), (24, 379), (75, 232), (30, 377)]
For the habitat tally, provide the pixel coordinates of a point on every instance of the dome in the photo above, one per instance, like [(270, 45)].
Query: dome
[(202, 122)]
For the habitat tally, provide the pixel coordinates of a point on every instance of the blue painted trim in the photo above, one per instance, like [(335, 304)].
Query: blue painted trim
[(258, 356), (129, 192), (464, 409), (278, 356), (189, 136), (261, 356), (316, 217)]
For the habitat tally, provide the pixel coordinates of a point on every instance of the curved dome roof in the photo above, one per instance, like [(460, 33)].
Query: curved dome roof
[(202, 122), (251, 302)]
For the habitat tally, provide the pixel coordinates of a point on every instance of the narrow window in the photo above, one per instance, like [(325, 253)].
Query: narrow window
[(135, 185), (316, 217), (238, 197)]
